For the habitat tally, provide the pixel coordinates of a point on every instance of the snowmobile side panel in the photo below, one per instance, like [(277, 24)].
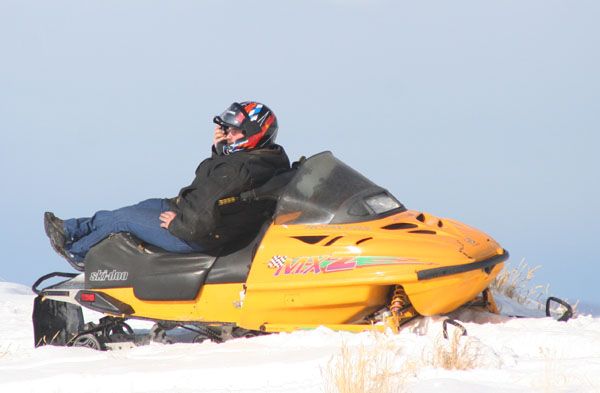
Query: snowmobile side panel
[(55, 322), (325, 305), (215, 302), (170, 286)]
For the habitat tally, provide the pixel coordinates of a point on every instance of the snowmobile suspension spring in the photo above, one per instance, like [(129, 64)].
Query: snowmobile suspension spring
[(399, 300)]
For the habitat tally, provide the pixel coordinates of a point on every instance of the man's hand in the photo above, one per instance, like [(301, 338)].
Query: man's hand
[(166, 218), (219, 136)]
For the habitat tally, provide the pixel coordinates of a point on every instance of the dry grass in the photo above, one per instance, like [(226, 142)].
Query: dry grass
[(381, 368), (556, 377), (515, 283), (5, 351), (372, 369), (456, 353)]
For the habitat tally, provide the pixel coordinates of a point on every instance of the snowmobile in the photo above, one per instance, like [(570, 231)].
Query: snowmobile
[(338, 251)]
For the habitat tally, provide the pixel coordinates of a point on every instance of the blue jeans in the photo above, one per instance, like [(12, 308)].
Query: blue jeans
[(141, 220)]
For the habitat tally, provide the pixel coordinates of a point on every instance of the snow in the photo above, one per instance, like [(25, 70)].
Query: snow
[(511, 355)]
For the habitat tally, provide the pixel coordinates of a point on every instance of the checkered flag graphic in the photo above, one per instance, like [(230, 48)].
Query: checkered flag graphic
[(277, 261)]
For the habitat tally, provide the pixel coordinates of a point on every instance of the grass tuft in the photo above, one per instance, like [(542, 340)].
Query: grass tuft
[(515, 283), (5, 351), (456, 353), (367, 369)]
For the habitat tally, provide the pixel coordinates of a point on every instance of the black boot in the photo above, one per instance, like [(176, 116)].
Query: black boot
[(55, 231)]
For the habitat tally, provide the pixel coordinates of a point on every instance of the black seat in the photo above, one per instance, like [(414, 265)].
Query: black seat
[(121, 260)]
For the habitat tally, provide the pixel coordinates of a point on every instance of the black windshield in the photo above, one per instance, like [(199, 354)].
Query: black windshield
[(327, 191)]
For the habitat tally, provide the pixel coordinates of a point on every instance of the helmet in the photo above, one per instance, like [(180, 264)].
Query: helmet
[(257, 122)]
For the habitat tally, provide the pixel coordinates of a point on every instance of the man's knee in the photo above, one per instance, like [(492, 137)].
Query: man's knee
[(102, 218), (121, 226)]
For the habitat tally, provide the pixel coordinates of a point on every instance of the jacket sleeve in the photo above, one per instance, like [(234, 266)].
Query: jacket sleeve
[(197, 212)]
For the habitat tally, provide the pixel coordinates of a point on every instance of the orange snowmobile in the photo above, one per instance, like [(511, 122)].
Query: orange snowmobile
[(339, 251)]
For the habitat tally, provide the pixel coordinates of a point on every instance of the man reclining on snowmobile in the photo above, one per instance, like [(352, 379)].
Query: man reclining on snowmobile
[(244, 156)]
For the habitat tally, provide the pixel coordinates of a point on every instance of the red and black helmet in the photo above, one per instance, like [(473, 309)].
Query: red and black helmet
[(256, 120)]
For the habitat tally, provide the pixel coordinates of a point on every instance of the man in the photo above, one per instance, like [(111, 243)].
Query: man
[(244, 156)]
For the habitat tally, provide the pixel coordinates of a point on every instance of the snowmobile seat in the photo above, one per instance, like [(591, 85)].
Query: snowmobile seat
[(122, 260)]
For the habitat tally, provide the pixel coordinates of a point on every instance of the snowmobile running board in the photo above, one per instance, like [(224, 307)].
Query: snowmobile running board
[(353, 328), (288, 328)]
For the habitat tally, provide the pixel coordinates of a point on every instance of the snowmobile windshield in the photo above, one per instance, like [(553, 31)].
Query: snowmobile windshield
[(327, 191)]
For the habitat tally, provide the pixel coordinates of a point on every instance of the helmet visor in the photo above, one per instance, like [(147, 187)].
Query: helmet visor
[(232, 117)]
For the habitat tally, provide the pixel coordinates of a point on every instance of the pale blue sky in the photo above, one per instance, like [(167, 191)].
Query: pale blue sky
[(483, 111)]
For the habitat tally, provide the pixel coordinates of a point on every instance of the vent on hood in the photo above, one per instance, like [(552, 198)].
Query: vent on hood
[(335, 239), (310, 239), (400, 225), (423, 232)]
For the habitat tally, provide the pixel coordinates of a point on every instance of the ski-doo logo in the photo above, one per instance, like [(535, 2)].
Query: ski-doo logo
[(105, 275)]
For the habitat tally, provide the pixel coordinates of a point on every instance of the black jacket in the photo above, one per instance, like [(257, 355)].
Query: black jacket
[(199, 218)]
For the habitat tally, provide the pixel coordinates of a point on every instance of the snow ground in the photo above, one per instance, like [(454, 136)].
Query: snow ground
[(511, 355)]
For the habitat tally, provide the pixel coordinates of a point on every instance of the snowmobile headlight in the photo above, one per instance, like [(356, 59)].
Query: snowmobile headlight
[(382, 203)]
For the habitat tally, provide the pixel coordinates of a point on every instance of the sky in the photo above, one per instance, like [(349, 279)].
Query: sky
[(485, 112)]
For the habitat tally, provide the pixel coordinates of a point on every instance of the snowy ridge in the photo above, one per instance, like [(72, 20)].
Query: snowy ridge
[(524, 354)]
